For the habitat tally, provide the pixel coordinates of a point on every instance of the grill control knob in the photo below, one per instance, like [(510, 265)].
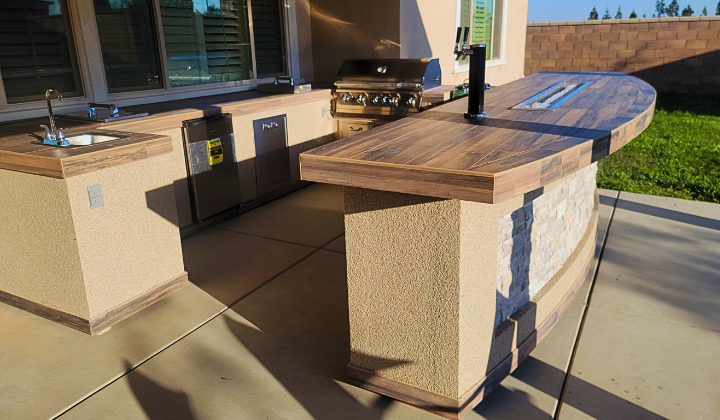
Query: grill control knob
[(385, 99), (393, 100), (376, 100), (411, 101), (346, 97), (362, 98)]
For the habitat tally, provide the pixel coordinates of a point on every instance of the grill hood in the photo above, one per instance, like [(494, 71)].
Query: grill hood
[(406, 71)]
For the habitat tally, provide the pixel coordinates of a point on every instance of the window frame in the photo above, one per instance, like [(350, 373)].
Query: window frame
[(92, 76), (460, 67), (80, 64)]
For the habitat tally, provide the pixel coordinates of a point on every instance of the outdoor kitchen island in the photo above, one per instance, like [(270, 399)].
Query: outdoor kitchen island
[(467, 238)]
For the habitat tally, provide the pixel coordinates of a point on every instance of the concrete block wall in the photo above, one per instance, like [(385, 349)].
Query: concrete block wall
[(680, 54)]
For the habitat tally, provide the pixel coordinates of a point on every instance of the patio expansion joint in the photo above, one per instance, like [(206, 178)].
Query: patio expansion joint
[(709, 407), (267, 237), (586, 307), (113, 380)]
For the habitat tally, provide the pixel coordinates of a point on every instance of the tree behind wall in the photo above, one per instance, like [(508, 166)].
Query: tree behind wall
[(704, 11), (673, 9), (688, 11), (633, 15), (660, 8), (593, 14), (717, 9), (607, 13), (618, 15)]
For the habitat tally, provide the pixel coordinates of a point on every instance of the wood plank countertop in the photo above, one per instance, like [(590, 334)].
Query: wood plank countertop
[(21, 150), (26, 153), (439, 153)]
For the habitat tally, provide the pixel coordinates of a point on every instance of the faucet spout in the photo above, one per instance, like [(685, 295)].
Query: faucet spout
[(53, 131)]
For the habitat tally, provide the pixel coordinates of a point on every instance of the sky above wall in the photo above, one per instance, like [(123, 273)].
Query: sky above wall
[(564, 10)]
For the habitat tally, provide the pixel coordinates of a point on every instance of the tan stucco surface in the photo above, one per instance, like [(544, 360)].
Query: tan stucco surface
[(422, 288), (38, 250), (403, 287), (131, 244), (478, 288), (58, 252)]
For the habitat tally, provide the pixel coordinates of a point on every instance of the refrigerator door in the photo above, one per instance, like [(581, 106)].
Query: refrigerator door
[(272, 158), (212, 167)]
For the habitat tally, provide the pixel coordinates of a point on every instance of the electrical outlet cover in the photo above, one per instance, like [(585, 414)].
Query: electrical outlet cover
[(96, 196)]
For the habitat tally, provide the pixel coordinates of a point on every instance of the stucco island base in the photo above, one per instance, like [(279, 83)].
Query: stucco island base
[(89, 268), (447, 297)]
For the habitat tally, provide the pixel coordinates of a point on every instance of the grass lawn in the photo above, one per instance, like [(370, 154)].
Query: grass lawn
[(678, 155)]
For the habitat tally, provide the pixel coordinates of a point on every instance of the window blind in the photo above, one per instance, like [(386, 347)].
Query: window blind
[(268, 34), (37, 50), (208, 42), (128, 44)]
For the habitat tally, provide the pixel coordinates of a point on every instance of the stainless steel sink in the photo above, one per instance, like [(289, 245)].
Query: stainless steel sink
[(87, 139)]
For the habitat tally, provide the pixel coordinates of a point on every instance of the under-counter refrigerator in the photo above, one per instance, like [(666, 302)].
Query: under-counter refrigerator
[(211, 164)]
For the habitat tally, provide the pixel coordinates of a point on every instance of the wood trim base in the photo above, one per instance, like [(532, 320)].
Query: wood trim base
[(102, 323), (457, 408), (55, 315)]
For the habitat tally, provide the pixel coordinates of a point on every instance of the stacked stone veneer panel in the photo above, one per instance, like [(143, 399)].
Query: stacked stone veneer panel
[(680, 54), (535, 240)]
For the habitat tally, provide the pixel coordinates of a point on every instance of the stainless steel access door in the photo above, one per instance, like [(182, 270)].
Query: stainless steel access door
[(212, 167), (272, 158)]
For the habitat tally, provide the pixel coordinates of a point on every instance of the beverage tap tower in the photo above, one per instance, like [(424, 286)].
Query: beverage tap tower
[(476, 81)]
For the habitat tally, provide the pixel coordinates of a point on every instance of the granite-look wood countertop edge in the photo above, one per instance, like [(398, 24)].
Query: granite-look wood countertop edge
[(57, 162), (541, 147), (23, 152)]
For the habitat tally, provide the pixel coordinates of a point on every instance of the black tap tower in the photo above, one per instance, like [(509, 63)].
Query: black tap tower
[(476, 81)]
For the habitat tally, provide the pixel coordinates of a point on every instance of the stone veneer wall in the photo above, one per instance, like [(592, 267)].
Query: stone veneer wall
[(547, 229), (678, 54)]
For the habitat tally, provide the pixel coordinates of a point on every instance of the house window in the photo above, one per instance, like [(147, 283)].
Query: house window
[(129, 45), (158, 46), (485, 20), (36, 50), (206, 41)]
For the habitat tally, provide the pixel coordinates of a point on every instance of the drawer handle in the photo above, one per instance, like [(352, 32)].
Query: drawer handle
[(270, 126), (355, 129)]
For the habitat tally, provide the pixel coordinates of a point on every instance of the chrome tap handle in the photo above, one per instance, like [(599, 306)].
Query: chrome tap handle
[(462, 51), (48, 132)]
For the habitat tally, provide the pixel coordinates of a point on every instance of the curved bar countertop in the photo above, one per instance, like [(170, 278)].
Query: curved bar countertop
[(439, 153), (466, 240)]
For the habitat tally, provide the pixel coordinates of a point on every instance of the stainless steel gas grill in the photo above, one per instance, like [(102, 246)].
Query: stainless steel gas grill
[(384, 87)]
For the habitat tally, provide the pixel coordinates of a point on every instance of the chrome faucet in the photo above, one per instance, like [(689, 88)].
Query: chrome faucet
[(53, 136)]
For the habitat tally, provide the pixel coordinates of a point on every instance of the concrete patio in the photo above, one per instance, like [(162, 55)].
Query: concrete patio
[(262, 331)]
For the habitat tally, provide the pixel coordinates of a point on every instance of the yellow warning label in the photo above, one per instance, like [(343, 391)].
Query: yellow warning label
[(215, 151)]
